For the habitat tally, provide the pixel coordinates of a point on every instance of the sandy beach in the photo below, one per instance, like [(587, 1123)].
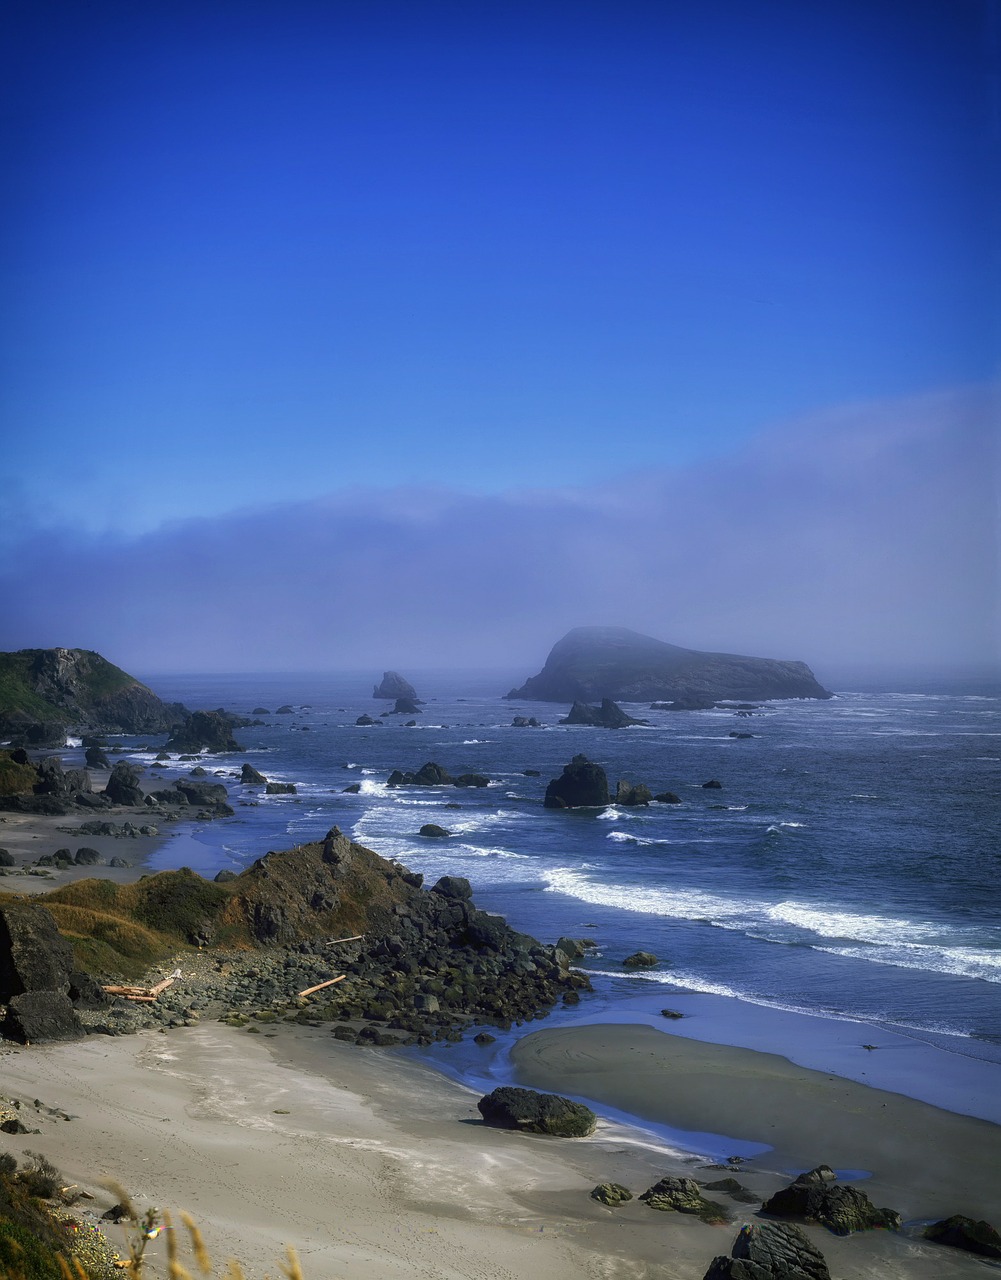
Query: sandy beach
[(373, 1165)]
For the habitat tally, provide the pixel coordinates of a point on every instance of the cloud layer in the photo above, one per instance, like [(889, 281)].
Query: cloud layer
[(869, 534)]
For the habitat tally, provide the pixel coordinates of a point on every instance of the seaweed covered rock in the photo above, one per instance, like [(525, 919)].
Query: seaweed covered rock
[(511, 1108), (611, 1193), (770, 1251), (966, 1233), (842, 1209), (683, 1195), (581, 785)]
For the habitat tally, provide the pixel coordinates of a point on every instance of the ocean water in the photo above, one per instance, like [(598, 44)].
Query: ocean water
[(848, 870)]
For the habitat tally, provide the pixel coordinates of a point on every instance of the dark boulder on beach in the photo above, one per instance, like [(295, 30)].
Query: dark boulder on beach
[(581, 785), (683, 1195), (842, 1209), (210, 796), (38, 977), (96, 758), (123, 785), (607, 716), (770, 1251), (394, 686), (966, 1233), (510, 1108)]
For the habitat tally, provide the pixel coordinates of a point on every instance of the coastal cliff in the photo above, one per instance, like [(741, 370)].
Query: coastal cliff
[(44, 691), (592, 663)]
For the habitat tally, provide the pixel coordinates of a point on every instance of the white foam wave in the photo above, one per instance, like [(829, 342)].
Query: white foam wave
[(624, 837), (74, 742), (960, 962), (474, 742), (477, 851), (683, 904)]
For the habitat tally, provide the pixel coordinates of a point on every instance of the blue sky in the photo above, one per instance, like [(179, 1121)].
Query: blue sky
[(271, 253)]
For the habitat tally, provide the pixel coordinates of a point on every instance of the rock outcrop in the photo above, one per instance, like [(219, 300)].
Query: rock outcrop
[(842, 1209), (966, 1233), (770, 1251), (532, 1112), (393, 686), (581, 785), (606, 716), (612, 662), (204, 731), (38, 978), (45, 691)]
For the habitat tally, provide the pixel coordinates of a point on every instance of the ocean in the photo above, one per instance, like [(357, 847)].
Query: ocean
[(840, 889)]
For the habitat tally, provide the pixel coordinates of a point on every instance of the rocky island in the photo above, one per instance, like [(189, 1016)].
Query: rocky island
[(594, 663)]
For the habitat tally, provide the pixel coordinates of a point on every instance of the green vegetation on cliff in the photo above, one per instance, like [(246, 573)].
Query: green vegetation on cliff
[(56, 687)]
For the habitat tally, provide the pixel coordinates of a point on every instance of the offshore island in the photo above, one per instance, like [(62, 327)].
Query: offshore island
[(267, 1086)]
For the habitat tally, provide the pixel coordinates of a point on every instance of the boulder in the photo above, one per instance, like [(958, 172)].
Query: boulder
[(37, 1017), (471, 780), (7, 859), (405, 707), (394, 686), (457, 887), (683, 1195), (525, 722), (525, 1109), (87, 857), (606, 716), (712, 785), (123, 785), (640, 960), (734, 1189), (434, 832), (96, 758), (285, 711), (581, 785), (250, 776), (611, 1193), (366, 720), (629, 796), (842, 1209), (280, 789), (667, 797), (208, 795), (965, 1233), (770, 1251)]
